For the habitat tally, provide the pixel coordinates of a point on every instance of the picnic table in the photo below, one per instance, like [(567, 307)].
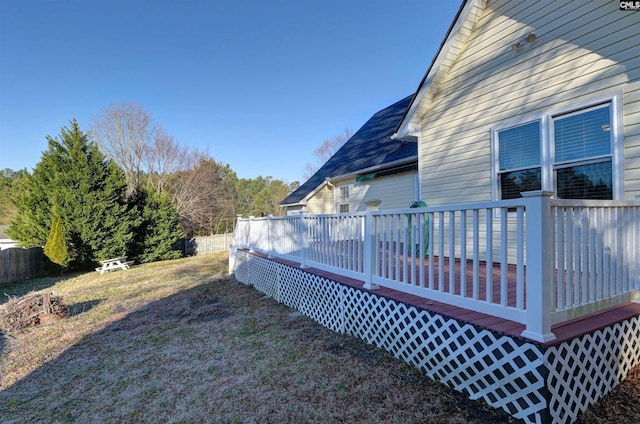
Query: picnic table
[(115, 263)]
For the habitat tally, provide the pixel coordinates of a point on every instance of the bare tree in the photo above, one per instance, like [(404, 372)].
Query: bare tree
[(324, 152), (164, 157), (202, 190), (204, 196), (123, 132)]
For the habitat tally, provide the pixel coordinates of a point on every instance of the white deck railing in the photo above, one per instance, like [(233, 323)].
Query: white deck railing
[(534, 260)]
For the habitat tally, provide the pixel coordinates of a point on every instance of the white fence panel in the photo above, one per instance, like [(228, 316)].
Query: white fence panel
[(285, 235), (597, 251), (211, 244)]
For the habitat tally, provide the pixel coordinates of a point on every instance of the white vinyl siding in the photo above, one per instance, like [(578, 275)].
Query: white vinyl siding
[(581, 54), (321, 202), (631, 108), (294, 210), (395, 191)]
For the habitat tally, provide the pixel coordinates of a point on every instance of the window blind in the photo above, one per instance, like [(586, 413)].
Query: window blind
[(583, 135), (519, 147)]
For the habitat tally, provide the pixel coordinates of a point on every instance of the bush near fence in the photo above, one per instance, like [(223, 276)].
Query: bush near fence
[(19, 264)]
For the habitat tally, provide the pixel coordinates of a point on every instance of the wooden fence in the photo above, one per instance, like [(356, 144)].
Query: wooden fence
[(18, 264), (206, 244)]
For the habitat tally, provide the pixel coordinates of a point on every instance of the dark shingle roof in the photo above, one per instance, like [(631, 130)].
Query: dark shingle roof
[(370, 146)]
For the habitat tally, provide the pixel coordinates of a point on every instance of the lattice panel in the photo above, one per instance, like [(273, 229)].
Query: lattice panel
[(288, 290), (265, 276), (505, 373), (585, 369), (241, 271), (321, 300)]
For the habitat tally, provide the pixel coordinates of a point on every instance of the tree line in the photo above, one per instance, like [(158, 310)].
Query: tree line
[(125, 187), (207, 194)]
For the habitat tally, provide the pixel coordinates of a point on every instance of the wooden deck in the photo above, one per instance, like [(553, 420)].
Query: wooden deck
[(563, 331)]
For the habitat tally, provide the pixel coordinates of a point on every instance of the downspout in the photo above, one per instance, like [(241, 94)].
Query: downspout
[(333, 189)]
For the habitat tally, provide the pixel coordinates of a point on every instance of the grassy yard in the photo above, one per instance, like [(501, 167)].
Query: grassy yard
[(181, 341)]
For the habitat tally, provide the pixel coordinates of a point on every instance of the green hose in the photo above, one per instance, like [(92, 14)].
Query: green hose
[(420, 204)]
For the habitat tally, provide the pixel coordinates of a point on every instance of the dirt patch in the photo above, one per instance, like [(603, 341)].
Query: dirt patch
[(621, 405), (31, 310), (199, 306)]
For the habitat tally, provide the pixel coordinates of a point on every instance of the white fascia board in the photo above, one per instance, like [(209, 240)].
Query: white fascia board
[(407, 127)]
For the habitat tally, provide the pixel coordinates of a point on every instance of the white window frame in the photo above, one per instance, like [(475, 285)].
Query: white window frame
[(547, 145), (344, 202)]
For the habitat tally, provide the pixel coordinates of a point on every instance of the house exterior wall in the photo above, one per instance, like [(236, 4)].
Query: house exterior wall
[(294, 210), (321, 202), (581, 54), (396, 191)]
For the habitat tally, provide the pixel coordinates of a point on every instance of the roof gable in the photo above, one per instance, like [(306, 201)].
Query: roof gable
[(369, 148), (450, 48)]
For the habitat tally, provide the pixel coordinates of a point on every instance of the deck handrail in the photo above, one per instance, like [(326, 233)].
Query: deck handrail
[(535, 260)]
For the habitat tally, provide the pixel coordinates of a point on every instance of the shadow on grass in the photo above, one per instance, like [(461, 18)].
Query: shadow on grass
[(20, 288), (93, 378), (193, 356), (82, 307)]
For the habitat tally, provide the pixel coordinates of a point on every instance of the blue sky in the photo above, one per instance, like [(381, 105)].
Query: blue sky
[(257, 84)]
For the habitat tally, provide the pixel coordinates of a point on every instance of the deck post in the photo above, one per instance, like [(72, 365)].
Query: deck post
[(302, 230), (540, 265), (250, 238), (269, 242), (233, 245), (369, 251)]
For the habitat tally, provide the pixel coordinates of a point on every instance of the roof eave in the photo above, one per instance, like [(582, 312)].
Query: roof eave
[(290, 205), (305, 199), (367, 170), (409, 124), (370, 169)]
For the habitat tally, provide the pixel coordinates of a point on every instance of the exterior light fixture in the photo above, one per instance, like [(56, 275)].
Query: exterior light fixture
[(524, 40)]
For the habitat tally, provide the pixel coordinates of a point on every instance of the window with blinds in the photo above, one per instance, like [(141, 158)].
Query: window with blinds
[(519, 160), (578, 163), (343, 206), (583, 159)]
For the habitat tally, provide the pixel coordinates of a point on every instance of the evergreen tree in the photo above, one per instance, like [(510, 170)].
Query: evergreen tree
[(56, 246), (75, 182), (160, 227)]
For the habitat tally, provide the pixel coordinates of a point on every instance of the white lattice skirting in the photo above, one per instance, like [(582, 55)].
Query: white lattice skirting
[(535, 383)]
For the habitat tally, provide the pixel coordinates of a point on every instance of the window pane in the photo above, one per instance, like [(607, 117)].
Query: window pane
[(583, 135), (519, 147), (514, 183), (586, 182)]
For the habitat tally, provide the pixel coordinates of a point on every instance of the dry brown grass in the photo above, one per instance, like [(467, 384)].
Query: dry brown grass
[(179, 341)]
